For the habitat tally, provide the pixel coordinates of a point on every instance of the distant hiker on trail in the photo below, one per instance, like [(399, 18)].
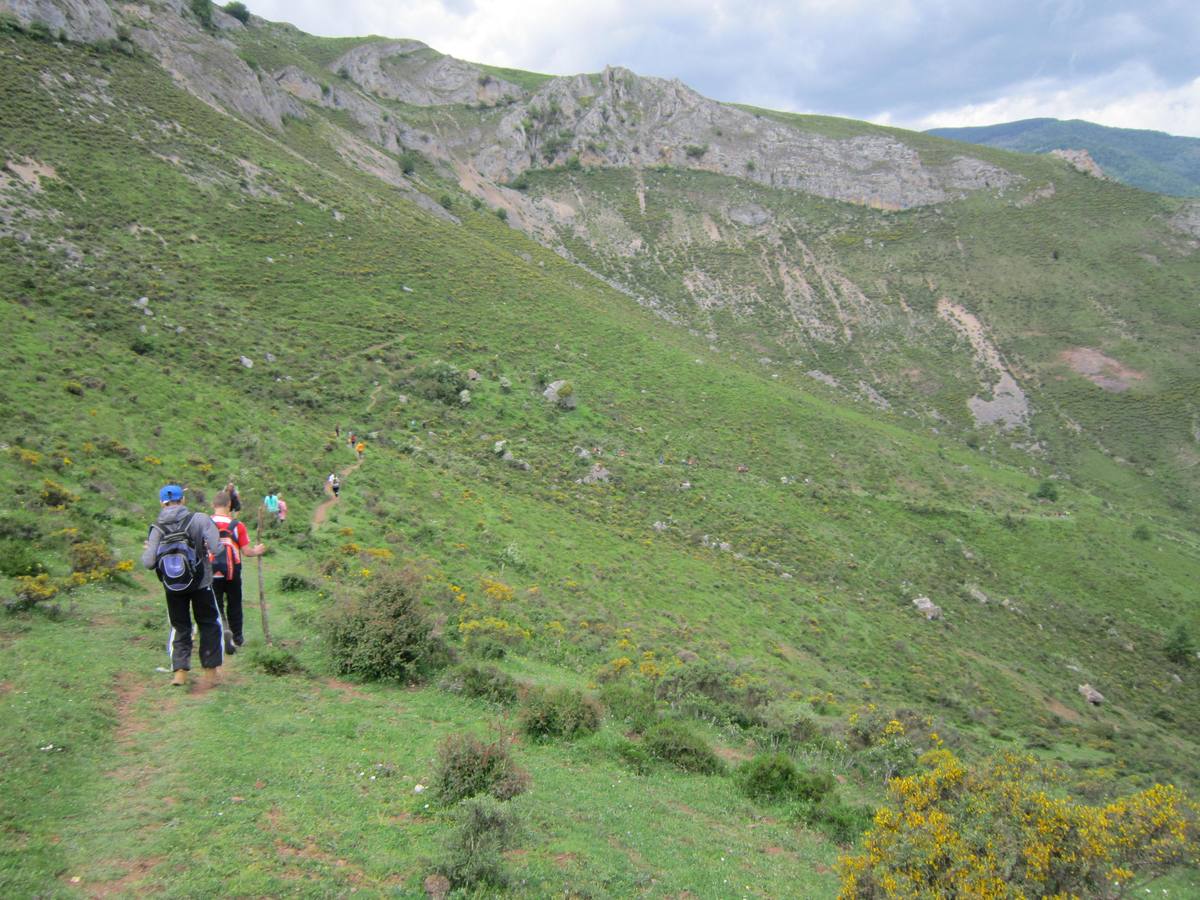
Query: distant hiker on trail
[(178, 548), (282, 509), (227, 568), (235, 502), (360, 448), (337, 431), (335, 484), (271, 502), (350, 438)]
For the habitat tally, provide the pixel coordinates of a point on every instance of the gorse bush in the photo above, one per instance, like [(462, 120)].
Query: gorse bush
[(774, 777), (1000, 831), (714, 693), (383, 634), (468, 766), (674, 742), (631, 705), (438, 381), (238, 10), (274, 660), (481, 681), (292, 582), (559, 712), (473, 856)]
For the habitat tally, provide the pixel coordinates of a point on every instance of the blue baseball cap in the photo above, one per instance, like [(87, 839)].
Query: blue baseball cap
[(169, 493)]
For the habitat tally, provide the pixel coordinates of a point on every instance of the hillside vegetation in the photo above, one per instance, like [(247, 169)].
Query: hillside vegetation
[(700, 554), (1150, 160)]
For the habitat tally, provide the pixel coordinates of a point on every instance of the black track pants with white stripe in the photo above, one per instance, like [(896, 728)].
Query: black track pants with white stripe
[(202, 603)]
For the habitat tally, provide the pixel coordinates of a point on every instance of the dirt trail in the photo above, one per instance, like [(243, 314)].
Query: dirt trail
[(319, 514)]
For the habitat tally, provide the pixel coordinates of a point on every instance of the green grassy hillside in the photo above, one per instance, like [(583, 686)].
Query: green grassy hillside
[(752, 557), (1150, 160)]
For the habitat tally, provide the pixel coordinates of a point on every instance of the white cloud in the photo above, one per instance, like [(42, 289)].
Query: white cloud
[(919, 63), (1173, 110)]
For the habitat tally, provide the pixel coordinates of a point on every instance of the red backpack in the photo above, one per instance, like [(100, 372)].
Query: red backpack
[(228, 557)]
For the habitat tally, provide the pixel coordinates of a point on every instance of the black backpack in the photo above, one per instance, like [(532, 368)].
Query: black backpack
[(176, 561)]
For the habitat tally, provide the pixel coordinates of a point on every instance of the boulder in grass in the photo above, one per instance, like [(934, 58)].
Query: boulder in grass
[(1091, 695), (561, 393), (246, 362), (927, 608)]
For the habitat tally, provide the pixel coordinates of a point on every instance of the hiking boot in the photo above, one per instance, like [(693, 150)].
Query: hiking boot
[(210, 677), (230, 647), (179, 679), (238, 640)]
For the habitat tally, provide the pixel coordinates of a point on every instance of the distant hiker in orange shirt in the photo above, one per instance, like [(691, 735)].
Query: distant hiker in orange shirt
[(360, 448)]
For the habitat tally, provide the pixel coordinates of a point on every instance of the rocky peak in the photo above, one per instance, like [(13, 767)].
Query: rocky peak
[(1081, 161), (412, 72)]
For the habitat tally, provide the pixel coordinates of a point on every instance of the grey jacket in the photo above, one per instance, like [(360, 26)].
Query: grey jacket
[(202, 531)]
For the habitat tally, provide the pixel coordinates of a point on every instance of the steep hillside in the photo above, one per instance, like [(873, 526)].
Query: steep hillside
[(216, 246), (1150, 160)]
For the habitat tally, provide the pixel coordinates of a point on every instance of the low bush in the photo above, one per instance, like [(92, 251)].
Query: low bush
[(291, 583), (714, 693), (774, 777), (631, 705), (674, 742), (839, 821), (438, 381), (32, 590), (559, 712), (468, 766), (383, 634), (473, 856), (238, 10), (1004, 829), (90, 556), (1047, 490), (18, 558), (481, 681), (1180, 648), (57, 496), (274, 660)]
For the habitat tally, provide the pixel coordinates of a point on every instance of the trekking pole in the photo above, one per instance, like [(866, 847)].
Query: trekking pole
[(262, 598)]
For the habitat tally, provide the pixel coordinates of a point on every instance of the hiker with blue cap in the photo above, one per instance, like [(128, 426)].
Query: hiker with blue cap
[(178, 549)]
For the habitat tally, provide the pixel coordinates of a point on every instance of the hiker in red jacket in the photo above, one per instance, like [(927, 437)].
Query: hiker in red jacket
[(227, 568)]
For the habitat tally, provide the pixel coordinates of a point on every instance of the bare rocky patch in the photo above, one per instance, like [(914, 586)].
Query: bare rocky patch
[(1102, 371)]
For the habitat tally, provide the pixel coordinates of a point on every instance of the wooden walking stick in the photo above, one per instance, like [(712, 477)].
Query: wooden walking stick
[(262, 598)]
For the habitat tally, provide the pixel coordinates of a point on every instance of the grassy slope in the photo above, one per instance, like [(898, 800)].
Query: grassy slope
[(884, 514), (1150, 160)]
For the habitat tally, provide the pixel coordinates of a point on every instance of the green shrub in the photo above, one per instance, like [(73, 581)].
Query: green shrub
[(1141, 533), (202, 10), (674, 742), (559, 712), (17, 558), (408, 161), (774, 777), (520, 183), (695, 151), (88, 556), (438, 381), (274, 660), (1180, 648), (1047, 490), (484, 682), (840, 822), (291, 583), (473, 856), (384, 634), (238, 11), (57, 496), (714, 693), (633, 706), (502, 214), (446, 201), (467, 766), (486, 647)]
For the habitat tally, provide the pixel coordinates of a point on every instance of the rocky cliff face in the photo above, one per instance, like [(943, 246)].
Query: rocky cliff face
[(411, 72), (621, 119), (78, 20)]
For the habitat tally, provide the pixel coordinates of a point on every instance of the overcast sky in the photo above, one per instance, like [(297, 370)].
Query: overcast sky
[(913, 63)]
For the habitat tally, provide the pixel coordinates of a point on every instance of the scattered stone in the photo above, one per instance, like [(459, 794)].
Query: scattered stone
[(927, 608), (581, 452), (685, 485), (147, 311), (464, 397), (141, 302), (270, 357), (500, 447), (561, 392), (406, 289), (1091, 695), (419, 789), (505, 385), (743, 469), (516, 463), (1175, 678), (660, 527), (246, 362), (402, 399), (687, 656), (338, 217), (978, 595), (472, 375), (597, 475), (967, 554), (437, 887)]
